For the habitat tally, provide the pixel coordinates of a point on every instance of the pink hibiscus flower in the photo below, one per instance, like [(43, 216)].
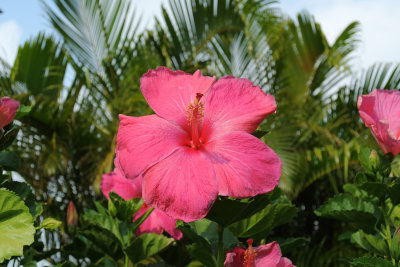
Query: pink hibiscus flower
[(265, 255), (380, 111), (8, 108), (198, 144), (157, 221)]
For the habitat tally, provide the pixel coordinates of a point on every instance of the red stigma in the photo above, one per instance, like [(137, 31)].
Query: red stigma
[(199, 96)]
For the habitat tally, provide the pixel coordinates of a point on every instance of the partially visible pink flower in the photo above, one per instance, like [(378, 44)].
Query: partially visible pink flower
[(380, 111), (265, 255), (8, 108), (157, 222), (198, 145), (72, 215)]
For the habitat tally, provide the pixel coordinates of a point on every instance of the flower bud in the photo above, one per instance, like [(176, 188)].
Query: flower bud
[(72, 215)]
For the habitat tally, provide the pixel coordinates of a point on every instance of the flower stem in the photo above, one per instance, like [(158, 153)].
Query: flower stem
[(221, 250)]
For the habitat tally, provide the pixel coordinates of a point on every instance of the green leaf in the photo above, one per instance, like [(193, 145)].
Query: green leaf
[(259, 133), (292, 243), (347, 208), (395, 246), (261, 223), (125, 208), (147, 245), (103, 220), (226, 211), (371, 262), (363, 157), (209, 231), (374, 188), (104, 240), (9, 161), (22, 111), (7, 139), (24, 191), (394, 193), (50, 224), (16, 225), (370, 243), (395, 216), (200, 249)]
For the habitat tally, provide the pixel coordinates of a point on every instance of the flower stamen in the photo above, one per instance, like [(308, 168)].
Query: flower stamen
[(249, 255), (194, 114)]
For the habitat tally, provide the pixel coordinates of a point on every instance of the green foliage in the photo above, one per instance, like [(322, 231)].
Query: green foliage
[(9, 161), (260, 224), (226, 211), (16, 225), (146, 246), (200, 249), (8, 137), (371, 262), (125, 209), (371, 243), (348, 208)]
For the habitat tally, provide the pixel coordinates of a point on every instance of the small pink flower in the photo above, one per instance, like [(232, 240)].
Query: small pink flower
[(380, 111), (198, 145), (72, 215), (265, 255), (8, 108), (157, 221)]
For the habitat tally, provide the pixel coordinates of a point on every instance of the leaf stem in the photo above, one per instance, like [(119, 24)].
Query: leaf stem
[(221, 251)]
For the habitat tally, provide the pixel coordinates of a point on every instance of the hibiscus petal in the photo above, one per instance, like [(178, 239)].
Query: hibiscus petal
[(235, 258), (151, 224), (285, 262), (244, 165), (380, 111), (8, 109), (234, 104), (157, 222), (115, 182), (169, 224), (183, 185), (143, 141), (169, 93), (268, 255)]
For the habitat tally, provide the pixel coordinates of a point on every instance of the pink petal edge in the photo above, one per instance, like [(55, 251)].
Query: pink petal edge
[(183, 185), (244, 165), (234, 104)]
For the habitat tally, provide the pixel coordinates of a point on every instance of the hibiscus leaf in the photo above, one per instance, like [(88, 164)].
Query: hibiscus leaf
[(259, 133), (147, 245), (200, 249), (8, 137), (103, 220), (16, 225), (371, 243), (209, 230), (24, 191), (394, 193), (22, 111), (9, 161), (226, 211), (290, 244), (370, 262), (261, 223), (104, 239), (125, 208), (351, 209)]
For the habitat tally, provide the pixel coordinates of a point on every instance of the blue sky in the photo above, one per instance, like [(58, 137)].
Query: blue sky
[(380, 21)]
